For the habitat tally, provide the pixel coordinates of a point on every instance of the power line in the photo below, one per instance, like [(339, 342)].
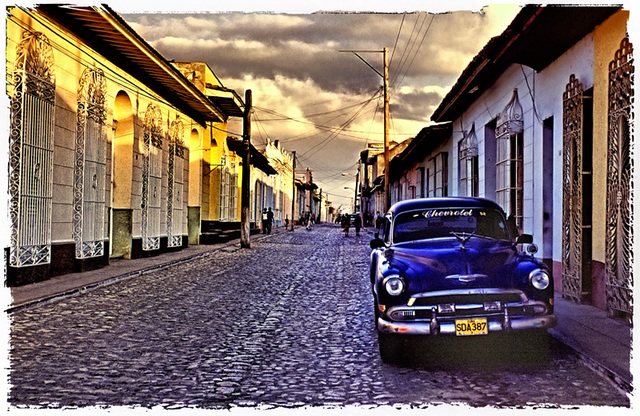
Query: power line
[(418, 49)]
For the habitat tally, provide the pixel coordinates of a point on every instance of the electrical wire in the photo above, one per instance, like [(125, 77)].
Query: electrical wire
[(411, 40), (424, 36), (393, 51), (533, 100), (335, 134)]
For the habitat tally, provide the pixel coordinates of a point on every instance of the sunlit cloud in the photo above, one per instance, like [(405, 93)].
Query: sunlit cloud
[(311, 95)]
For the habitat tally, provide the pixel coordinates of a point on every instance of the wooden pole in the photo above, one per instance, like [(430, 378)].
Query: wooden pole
[(293, 198), (387, 197), (245, 230)]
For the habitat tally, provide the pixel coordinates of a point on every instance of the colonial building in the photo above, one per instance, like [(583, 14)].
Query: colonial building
[(114, 152), (275, 191), (304, 202), (371, 178), (541, 124)]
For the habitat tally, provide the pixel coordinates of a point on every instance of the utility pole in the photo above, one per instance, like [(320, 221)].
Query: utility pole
[(355, 201), (387, 197), (320, 208), (293, 198), (245, 230), (385, 76)]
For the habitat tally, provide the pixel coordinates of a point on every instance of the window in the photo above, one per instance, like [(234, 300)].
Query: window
[(509, 158), (440, 178), (152, 179), (90, 166), (420, 183), (468, 163), (225, 179), (175, 184), (446, 222), (31, 147)]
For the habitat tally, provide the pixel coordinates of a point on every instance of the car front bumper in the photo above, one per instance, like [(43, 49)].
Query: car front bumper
[(449, 327)]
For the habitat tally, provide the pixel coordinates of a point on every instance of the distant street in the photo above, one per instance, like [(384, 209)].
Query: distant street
[(287, 323)]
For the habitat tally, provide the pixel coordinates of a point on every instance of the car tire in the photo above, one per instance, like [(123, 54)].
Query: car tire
[(376, 313), (391, 347), (536, 346)]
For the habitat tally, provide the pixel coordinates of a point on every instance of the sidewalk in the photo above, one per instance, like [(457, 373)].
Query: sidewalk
[(601, 342)]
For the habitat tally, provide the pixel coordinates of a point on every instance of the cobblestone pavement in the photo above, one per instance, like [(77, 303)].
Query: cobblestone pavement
[(288, 323)]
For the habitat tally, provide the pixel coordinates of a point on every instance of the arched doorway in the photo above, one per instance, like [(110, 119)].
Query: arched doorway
[(122, 157)]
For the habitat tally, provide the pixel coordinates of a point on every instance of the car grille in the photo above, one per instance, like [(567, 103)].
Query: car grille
[(455, 304), (468, 298)]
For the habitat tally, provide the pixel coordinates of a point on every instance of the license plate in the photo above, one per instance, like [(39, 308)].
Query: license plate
[(471, 327)]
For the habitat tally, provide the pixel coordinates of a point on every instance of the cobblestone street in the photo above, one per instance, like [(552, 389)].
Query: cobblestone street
[(287, 323)]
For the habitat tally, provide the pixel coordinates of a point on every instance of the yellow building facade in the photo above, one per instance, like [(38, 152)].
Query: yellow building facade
[(101, 128)]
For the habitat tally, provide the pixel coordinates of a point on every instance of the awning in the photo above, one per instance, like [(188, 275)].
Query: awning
[(257, 159), (226, 100)]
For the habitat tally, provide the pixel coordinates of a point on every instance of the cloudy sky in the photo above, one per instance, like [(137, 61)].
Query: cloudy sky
[(317, 100)]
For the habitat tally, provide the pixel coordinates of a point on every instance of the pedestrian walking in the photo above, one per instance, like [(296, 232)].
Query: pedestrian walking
[(269, 220), (357, 223), (345, 224), (265, 220)]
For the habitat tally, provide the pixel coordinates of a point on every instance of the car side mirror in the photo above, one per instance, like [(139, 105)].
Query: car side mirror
[(376, 243), (524, 239)]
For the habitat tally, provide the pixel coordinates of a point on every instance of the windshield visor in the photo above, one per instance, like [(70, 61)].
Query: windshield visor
[(442, 222)]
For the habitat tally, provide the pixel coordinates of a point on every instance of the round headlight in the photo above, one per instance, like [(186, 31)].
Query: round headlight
[(394, 285), (539, 279)]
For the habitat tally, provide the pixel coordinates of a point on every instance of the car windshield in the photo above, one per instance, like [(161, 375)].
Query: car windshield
[(442, 222)]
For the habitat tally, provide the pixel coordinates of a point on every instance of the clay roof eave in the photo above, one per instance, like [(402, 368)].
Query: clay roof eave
[(537, 36), (109, 35)]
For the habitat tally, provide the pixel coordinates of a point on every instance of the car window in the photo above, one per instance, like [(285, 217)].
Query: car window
[(441, 222), (386, 224)]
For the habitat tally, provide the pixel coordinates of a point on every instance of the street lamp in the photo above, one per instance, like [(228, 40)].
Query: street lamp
[(357, 176), (353, 200)]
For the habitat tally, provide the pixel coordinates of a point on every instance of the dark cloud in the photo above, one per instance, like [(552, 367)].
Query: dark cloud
[(308, 46), (308, 94), (415, 106)]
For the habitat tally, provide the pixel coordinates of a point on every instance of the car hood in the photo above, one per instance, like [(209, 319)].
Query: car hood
[(448, 264)]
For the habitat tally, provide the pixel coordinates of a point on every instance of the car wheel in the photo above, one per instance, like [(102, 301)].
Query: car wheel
[(376, 313), (536, 346), (391, 347)]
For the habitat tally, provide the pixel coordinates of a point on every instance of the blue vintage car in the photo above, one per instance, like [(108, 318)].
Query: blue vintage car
[(451, 267)]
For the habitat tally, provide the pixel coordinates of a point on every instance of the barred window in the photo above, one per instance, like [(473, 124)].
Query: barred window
[(468, 163), (152, 179), (440, 178), (175, 184), (509, 149), (89, 231), (31, 152)]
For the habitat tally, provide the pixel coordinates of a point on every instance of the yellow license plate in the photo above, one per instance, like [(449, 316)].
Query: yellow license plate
[(471, 327)]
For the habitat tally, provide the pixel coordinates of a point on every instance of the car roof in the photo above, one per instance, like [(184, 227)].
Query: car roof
[(442, 202)]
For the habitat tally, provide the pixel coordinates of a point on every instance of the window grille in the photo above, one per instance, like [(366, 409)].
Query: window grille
[(509, 149), (152, 179), (440, 178), (175, 184), (90, 168), (420, 182), (619, 233), (31, 152), (572, 207), (225, 178), (233, 193), (468, 162)]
